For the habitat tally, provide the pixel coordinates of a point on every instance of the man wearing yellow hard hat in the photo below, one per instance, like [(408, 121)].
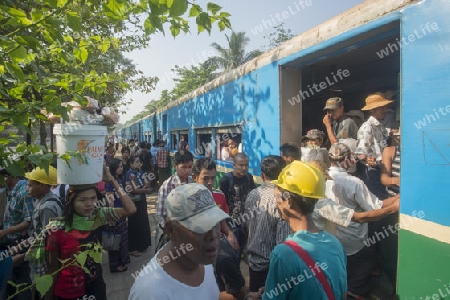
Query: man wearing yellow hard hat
[(47, 205), (311, 263)]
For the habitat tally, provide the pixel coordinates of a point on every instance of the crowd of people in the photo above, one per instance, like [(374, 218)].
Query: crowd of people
[(47, 227), (303, 231)]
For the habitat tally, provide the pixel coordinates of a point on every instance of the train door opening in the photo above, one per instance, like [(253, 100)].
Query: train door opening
[(351, 69)]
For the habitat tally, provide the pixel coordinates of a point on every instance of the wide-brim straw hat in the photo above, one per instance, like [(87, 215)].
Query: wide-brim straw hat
[(376, 100)]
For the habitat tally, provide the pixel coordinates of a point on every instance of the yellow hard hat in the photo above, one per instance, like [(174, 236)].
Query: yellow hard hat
[(38, 174), (302, 179)]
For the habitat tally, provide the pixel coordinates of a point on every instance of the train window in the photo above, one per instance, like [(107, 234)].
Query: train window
[(203, 146), (184, 134), (148, 136), (159, 135), (174, 141), (223, 137)]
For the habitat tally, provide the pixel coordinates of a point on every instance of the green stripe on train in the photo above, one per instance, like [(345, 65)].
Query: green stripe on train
[(424, 268)]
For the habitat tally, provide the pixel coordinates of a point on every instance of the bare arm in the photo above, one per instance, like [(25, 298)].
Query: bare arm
[(239, 295), (386, 168), (128, 206), (141, 191), (229, 234), (13, 229), (110, 198), (391, 200), (331, 136), (376, 214)]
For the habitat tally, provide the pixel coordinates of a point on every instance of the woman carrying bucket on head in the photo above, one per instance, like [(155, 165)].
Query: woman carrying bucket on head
[(72, 239)]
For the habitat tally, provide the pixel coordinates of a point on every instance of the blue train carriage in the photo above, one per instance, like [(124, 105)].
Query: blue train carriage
[(208, 119), (124, 134), (135, 130), (148, 125), (399, 46)]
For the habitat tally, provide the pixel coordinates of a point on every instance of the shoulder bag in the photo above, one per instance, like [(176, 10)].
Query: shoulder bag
[(111, 240), (309, 261)]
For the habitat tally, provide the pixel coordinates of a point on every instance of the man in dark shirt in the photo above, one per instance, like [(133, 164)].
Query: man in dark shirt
[(236, 185)]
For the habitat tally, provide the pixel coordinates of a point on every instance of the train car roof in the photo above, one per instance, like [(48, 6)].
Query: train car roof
[(356, 16)]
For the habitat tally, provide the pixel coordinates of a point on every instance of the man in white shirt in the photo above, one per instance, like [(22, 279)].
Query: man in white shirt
[(351, 192), (182, 268), (372, 139)]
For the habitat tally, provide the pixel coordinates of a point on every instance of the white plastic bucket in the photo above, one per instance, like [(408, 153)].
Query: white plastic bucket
[(90, 141)]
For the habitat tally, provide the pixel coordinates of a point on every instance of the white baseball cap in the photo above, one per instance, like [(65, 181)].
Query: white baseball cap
[(193, 206)]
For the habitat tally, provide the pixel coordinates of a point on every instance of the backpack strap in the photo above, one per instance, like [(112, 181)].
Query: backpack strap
[(229, 176), (249, 177), (58, 201), (309, 261), (62, 193)]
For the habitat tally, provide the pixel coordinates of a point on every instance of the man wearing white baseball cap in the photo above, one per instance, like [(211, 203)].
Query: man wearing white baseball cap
[(182, 268)]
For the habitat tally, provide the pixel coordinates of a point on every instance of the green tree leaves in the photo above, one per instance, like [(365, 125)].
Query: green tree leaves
[(81, 53), (55, 51), (213, 8), (279, 36), (177, 7), (235, 55), (43, 283), (187, 79), (73, 21)]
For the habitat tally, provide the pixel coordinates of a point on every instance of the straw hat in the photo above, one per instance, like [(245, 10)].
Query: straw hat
[(376, 100)]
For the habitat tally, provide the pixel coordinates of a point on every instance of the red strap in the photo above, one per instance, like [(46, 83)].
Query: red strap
[(311, 263)]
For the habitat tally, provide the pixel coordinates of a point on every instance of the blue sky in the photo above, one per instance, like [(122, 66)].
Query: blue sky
[(255, 17)]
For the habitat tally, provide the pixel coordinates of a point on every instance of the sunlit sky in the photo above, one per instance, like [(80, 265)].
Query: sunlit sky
[(255, 17)]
